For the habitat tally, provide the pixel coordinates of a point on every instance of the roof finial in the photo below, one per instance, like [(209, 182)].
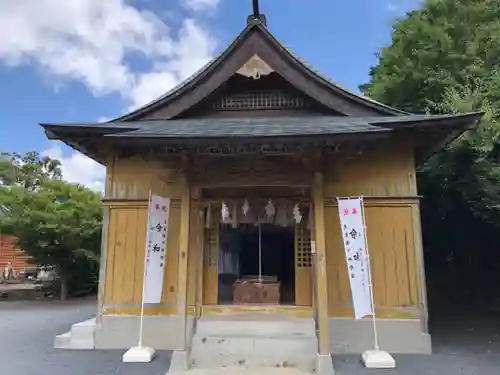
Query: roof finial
[(256, 12), (256, 16)]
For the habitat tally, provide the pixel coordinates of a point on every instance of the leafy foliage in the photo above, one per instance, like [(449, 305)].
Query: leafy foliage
[(446, 45), (56, 223), (27, 170), (445, 57)]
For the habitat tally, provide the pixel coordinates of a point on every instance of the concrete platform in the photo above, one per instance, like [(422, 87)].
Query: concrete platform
[(254, 341), (245, 371), (80, 336)]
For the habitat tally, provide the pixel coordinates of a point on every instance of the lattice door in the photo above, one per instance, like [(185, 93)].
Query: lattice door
[(211, 247), (303, 263), (210, 266)]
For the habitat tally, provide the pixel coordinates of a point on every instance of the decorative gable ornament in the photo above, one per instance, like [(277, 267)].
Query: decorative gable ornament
[(255, 68)]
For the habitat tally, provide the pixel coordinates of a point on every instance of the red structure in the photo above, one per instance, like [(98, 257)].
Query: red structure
[(9, 253)]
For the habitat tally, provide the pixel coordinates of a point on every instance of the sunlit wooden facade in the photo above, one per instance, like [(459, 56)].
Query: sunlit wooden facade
[(256, 120)]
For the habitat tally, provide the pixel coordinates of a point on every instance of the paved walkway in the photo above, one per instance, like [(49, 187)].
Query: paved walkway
[(462, 346)]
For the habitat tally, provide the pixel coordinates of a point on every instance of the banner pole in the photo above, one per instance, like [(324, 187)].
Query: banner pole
[(141, 322), (370, 284), (260, 253)]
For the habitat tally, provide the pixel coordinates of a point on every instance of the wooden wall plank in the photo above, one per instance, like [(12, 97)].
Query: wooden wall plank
[(119, 264), (129, 258), (110, 265), (387, 252), (402, 266), (384, 172), (128, 184), (140, 253), (125, 262), (411, 261), (133, 178), (392, 258)]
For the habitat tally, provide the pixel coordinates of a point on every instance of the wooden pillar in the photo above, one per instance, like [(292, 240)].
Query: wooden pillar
[(103, 263), (199, 259), (419, 258), (321, 302), (101, 287), (182, 278)]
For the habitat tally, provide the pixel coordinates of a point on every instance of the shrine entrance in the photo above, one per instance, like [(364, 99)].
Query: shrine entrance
[(256, 265), (257, 252)]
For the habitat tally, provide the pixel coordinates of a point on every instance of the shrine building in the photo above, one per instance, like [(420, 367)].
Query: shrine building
[(253, 151)]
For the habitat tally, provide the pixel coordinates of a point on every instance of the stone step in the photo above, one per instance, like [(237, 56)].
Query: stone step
[(256, 326), (81, 336), (246, 371), (233, 350), (63, 341), (254, 341), (85, 328)]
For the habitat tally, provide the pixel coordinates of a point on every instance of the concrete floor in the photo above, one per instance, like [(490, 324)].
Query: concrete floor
[(463, 344)]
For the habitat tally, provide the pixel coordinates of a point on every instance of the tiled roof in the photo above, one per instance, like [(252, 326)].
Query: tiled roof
[(218, 58), (263, 126), (250, 127)]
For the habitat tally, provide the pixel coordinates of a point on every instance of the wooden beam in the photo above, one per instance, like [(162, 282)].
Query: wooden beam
[(320, 265), (182, 278)]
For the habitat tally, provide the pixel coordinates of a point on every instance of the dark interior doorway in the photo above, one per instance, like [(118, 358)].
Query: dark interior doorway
[(239, 257)]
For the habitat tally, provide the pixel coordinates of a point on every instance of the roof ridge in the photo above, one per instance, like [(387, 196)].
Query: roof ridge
[(329, 80), (257, 23)]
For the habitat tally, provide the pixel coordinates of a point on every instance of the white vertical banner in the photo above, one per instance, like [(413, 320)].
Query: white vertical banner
[(353, 233), (158, 216)]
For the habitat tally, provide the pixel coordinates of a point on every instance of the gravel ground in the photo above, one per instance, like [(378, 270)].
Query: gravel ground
[(463, 344), (27, 331)]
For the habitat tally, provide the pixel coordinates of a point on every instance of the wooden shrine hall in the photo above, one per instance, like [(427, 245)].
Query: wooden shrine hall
[(253, 151)]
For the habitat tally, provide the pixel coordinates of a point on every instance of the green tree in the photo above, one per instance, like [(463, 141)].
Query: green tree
[(56, 223), (27, 170), (445, 45), (445, 57)]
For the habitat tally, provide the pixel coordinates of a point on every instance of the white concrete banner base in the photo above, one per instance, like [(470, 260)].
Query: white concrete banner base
[(139, 354), (378, 359), (324, 365)]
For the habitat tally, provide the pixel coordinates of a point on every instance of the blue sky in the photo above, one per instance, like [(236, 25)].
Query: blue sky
[(90, 60)]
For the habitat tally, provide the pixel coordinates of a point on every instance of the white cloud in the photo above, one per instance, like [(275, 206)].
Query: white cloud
[(77, 168), (104, 119), (198, 5), (392, 7), (191, 51), (90, 41), (402, 6)]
